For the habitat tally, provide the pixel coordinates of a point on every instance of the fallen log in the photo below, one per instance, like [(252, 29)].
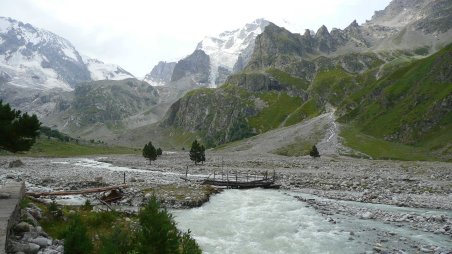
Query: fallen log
[(76, 192)]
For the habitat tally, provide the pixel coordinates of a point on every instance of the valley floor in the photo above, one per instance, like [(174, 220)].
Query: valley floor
[(416, 196)]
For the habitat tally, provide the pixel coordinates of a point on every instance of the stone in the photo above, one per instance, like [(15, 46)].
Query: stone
[(25, 215), (4, 195), (426, 250), (16, 163), (42, 241), (36, 213), (22, 227), (27, 248), (367, 215)]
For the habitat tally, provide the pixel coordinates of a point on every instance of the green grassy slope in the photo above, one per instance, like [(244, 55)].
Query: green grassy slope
[(411, 106), (55, 148)]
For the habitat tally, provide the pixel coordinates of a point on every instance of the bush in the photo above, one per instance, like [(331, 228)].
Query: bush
[(158, 233), (119, 242), (87, 206), (189, 245), (314, 152), (76, 239), (54, 211)]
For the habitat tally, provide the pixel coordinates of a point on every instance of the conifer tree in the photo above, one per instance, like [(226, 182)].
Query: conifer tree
[(197, 152), (314, 152), (150, 152), (18, 131)]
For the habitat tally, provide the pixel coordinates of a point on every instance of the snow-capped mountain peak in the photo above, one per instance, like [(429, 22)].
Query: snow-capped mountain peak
[(38, 59), (224, 50)]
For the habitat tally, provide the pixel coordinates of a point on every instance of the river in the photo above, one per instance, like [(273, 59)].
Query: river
[(262, 221), (269, 221)]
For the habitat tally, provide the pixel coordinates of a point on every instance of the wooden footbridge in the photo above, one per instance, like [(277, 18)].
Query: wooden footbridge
[(239, 181)]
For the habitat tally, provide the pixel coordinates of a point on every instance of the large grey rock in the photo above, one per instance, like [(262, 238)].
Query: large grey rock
[(42, 241), (27, 248), (4, 195), (16, 163), (22, 227)]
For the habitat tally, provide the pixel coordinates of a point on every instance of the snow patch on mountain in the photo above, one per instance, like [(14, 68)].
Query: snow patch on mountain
[(27, 72), (103, 71), (225, 48)]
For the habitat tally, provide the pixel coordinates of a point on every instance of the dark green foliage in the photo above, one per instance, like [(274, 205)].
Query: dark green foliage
[(119, 242), (54, 211), (76, 239), (50, 133), (87, 206), (189, 245), (18, 131), (240, 130), (159, 151), (197, 152), (158, 233), (314, 152), (150, 152)]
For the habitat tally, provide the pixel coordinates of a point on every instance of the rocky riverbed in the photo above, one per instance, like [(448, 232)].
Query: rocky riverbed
[(412, 195)]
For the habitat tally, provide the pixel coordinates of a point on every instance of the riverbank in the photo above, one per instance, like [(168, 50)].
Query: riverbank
[(323, 184)]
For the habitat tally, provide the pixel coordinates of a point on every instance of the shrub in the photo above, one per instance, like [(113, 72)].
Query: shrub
[(158, 232), (76, 239), (119, 242)]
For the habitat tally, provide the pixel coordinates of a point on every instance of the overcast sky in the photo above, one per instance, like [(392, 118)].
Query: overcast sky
[(136, 34)]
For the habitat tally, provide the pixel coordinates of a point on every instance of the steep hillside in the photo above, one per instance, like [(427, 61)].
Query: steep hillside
[(412, 105)]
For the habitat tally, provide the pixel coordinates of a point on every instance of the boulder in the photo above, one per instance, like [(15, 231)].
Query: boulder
[(22, 227), (16, 163), (4, 195), (42, 241), (27, 248)]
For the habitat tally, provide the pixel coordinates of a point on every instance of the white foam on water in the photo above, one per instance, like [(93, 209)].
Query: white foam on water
[(262, 221)]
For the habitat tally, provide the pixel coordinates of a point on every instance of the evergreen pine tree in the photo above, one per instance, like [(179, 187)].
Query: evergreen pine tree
[(18, 131), (314, 152), (158, 233), (159, 151), (197, 152), (150, 152)]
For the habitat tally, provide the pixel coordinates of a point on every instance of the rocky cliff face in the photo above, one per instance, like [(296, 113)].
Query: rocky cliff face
[(220, 114), (196, 65), (161, 73), (106, 101)]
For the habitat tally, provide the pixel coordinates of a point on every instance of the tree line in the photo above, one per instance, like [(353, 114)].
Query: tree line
[(197, 152)]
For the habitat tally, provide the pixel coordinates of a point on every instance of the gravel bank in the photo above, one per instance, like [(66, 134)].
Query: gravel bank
[(411, 195)]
